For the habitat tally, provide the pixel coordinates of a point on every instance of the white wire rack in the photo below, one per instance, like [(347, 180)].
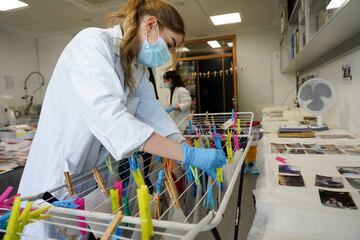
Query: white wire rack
[(183, 219)]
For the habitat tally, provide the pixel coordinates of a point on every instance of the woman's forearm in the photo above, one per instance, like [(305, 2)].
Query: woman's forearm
[(164, 147)]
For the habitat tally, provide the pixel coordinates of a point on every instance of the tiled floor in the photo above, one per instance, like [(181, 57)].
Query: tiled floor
[(226, 227)]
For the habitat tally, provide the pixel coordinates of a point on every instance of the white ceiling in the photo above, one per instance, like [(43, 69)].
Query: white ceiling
[(49, 17)]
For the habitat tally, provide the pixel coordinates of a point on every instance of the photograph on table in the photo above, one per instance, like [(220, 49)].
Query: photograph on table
[(349, 171), (328, 147), (313, 145), (354, 182), (277, 145), (288, 169), (314, 151), (291, 180), (333, 151), (333, 199), (294, 145), (346, 147), (296, 151), (279, 150), (354, 152), (336, 136), (329, 182)]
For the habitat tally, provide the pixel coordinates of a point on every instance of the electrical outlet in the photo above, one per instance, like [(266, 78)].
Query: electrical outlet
[(9, 82)]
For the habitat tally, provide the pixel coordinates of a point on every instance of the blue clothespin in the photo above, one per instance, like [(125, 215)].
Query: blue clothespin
[(188, 173), (158, 158), (70, 203), (133, 163), (159, 182), (209, 202), (190, 127), (232, 115), (3, 220)]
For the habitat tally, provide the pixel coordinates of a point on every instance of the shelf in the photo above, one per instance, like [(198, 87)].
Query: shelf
[(343, 24), (294, 14)]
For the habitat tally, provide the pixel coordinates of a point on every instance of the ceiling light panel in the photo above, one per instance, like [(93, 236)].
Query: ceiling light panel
[(214, 44), (226, 18), (7, 5)]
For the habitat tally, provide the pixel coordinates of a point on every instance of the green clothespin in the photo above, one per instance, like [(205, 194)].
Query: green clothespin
[(109, 164)]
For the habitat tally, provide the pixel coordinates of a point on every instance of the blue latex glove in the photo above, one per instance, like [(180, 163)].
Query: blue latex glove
[(170, 109), (205, 159)]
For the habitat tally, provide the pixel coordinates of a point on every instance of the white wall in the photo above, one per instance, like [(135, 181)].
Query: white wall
[(345, 112), (260, 82), (49, 52), (18, 58)]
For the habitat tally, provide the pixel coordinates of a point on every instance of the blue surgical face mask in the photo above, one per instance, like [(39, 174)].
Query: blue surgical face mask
[(154, 55)]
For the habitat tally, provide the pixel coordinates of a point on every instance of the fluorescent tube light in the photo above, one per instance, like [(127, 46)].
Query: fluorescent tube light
[(214, 44), (182, 49), (6, 5), (335, 4), (226, 18), (230, 44)]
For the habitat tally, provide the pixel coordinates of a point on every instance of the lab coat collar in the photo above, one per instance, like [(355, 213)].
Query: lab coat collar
[(116, 36)]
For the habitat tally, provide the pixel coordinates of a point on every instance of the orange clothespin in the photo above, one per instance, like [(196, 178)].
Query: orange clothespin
[(100, 181), (112, 227), (69, 183), (170, 185)]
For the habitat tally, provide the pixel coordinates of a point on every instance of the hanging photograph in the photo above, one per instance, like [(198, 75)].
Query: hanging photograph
[(342, 200)]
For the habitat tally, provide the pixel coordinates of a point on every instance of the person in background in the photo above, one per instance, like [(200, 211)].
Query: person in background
[(179, 99), (100, 101)]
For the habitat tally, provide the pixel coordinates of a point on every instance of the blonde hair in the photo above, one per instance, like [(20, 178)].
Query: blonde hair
[(128, 17)]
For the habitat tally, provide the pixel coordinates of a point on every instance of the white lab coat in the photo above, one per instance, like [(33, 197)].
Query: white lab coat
[(181, 97), (87, 106)]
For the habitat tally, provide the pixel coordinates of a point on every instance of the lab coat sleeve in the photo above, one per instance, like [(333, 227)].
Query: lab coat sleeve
[(150, 110), (101, 97), (185, 99)]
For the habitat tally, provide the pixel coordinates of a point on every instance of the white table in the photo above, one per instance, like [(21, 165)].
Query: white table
[(284, 212)]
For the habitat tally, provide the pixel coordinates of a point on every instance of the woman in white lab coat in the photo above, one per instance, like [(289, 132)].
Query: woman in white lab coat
[(179, 99), (99, 101)]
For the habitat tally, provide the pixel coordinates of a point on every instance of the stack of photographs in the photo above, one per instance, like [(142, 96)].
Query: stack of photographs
[(290, 176), (352, 175), (342, 200), (314, 149)]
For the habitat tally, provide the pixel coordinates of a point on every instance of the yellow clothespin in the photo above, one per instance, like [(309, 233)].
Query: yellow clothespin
[(114, 199), (13, 223), (145, 212), (100, 181), (238, 126), (139, 180), (37, 214), (112, 227), (219, 175), (69, 183), (24, 217), (229, 147)]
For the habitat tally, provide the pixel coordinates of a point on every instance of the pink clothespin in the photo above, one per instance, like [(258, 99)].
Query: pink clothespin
[(4, 201), (82, 224), (236, 141), (281, 159), (119, 186)]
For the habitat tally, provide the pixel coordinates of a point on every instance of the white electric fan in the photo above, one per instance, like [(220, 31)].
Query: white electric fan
[(316, 96)]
